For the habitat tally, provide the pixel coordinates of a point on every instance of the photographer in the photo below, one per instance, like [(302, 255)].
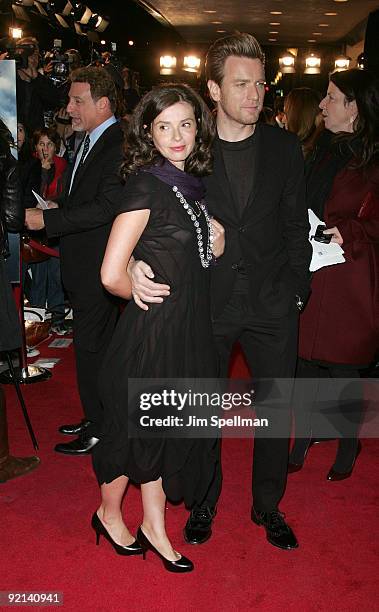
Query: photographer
[(35, 92), (11, 218)]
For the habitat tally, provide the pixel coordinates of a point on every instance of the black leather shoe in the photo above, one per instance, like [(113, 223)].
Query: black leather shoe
[(76, 429), (278, 532), (81, 446), (334, 475), (198, 528)]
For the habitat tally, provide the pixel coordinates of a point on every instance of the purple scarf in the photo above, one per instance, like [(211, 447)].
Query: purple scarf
[(190, 186)]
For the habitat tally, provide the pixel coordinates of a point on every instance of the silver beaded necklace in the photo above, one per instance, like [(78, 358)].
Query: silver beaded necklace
[(206, 257)]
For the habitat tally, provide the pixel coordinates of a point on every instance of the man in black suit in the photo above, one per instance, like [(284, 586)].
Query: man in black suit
[(256, 191), (83, 223)]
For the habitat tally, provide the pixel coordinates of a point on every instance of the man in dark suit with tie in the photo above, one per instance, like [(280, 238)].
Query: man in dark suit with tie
[(83, 223), (257, 192)]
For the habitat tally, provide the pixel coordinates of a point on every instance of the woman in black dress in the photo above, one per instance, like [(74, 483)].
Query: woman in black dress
[(162, 220)]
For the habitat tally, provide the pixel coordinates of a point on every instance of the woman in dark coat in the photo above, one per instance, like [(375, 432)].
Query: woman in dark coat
[(339, 328), (11, 219)]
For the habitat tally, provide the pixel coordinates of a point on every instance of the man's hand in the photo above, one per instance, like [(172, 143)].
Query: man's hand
[(51, 204), (218, 244), (143, 288), (336, 236), (34, 219)]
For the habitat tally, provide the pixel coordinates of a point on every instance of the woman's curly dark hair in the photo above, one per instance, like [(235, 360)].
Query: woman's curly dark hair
[(139, 149)]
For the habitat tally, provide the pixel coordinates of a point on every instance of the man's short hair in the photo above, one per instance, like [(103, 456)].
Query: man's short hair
[(100, 82), (238, 45)]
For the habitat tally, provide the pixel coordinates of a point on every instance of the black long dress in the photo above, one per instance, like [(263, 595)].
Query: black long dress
[(172, 339)]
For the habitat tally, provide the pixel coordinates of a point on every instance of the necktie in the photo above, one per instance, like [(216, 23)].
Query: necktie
[(85, 150)]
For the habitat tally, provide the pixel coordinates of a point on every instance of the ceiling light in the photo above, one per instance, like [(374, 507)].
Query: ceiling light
[(78, 29), (40, 8), (130, 43), (61, 20), (340, 0), (209, 11), (20, 12), (220, 31), (81, 12), (273, 32), (25, 2), (167, 64), (276, 13), (316, 34), (15, 32), (191, 63), (311, 40), (102, 24), (330, 14), (274, 23), (323, 25), (272, 39), (287, 63), (217, 22), (312, 64), (342, 63)]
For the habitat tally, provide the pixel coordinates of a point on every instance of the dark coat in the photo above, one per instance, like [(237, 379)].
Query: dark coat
[(84, 223), (11, 219), (85, 220), (340, 323), (272, 234)]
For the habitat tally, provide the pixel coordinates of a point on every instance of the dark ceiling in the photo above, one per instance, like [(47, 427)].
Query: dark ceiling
[(297, 21)]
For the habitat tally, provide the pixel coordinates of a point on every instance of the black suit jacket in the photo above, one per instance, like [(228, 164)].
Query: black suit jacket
[(85, 219), (272, 233)]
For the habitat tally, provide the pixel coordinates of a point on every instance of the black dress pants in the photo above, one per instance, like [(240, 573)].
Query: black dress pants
[(94, 321), (270, 348)]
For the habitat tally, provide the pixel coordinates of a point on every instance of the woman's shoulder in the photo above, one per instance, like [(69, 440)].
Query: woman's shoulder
[(141, 190), (143, 182)]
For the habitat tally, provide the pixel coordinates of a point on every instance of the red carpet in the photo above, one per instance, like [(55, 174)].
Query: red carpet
[(47, 543)]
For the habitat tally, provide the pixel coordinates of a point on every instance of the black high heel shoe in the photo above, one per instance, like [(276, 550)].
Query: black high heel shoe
[(334, 475), (299, 450), (180, 566), (98, 527), (302, 449)]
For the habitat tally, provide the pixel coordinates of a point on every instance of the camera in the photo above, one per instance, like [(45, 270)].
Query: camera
[(320, 236), (19, 53), (60, 62)]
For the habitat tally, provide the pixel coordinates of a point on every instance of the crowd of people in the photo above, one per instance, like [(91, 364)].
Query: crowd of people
[(199, 221)]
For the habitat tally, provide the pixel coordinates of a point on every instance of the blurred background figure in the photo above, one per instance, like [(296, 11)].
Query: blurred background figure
[(130, 91), (302, 116), (339, 327), (279, 111), (267, 116), (35, 91), (46, 289), (11, 219)]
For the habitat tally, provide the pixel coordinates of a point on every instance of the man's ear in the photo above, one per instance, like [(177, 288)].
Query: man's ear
[(214, 90), (103, 103)]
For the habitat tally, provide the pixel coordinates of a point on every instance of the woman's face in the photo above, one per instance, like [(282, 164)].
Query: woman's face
[(45, 149), (338, 114), (20, 135), (174, 132)]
